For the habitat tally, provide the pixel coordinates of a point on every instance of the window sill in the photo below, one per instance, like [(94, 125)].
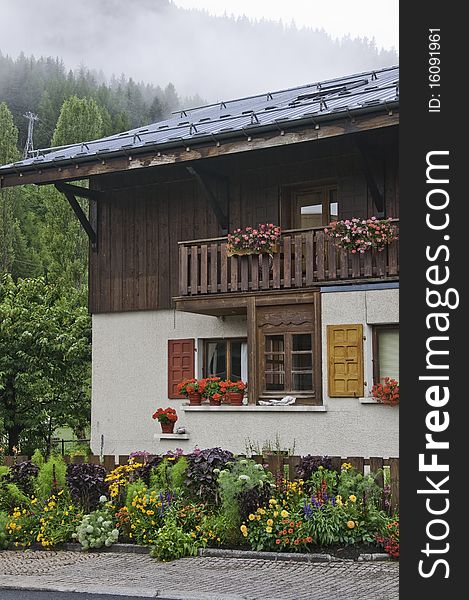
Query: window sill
[(368, 400), (254, 408), (171, 436)]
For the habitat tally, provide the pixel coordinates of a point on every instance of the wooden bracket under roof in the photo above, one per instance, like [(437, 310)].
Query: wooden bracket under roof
[(89, 224)]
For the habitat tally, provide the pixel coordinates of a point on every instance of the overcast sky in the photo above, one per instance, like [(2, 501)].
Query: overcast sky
[(157, 42), (363, 18)]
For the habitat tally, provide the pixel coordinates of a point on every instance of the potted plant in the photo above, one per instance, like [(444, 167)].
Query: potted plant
[(166, 417), (190, 389), (387, 392), (251, 240), (234, 391), (210, 389), (359, 235)]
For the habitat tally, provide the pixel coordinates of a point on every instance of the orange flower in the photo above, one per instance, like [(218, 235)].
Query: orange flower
[(290, 531), (278, 542)]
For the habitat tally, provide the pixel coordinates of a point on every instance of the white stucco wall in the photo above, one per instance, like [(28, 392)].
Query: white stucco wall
[(130, 382)]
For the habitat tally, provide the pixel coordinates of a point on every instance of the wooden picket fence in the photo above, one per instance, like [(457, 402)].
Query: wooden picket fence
[(278, 465)]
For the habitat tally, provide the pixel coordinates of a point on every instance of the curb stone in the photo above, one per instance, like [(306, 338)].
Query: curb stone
[(287, 556), (116, 548)]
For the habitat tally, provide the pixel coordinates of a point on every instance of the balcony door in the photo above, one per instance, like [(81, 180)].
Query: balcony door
[(311, 206)]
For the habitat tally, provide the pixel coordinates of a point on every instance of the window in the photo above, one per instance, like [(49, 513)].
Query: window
[(225, 358), (385, 352), (288, 362), (314, 207)]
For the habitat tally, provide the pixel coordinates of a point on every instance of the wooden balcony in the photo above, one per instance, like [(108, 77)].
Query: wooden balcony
[(307, 258)]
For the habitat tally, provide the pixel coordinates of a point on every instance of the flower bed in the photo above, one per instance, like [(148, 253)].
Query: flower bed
[(177, 503)]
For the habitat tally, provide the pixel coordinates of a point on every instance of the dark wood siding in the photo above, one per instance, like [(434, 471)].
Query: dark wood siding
[(144, 214)]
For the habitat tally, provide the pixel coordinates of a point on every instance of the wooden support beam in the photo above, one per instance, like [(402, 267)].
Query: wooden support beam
[(85, 223), (252, 350), (81, 192), (213, 201), (370, 179)]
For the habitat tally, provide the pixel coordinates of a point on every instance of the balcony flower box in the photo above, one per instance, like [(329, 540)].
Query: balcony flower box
[(251, 240), (359, 235)]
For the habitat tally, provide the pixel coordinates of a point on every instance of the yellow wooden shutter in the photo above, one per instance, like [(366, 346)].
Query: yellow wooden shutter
[(345, 352)]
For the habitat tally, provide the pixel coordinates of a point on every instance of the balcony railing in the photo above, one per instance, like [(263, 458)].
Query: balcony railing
[(306, 258)]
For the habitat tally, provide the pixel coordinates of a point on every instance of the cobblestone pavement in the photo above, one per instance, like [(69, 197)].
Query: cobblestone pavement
[(200, 578)]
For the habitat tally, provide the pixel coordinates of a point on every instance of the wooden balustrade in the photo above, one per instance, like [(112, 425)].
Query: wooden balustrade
[(305, 258)]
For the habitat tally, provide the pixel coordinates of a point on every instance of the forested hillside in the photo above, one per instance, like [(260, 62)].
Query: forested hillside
[(39, 234), (42, 85)]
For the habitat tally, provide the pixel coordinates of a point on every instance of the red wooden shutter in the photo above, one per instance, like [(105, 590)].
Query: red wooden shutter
[(180, 364)]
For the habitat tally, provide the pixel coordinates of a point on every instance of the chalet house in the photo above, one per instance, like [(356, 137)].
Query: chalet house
[(312, 321)]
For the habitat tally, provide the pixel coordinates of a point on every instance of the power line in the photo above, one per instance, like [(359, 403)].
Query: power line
[(29, 147)]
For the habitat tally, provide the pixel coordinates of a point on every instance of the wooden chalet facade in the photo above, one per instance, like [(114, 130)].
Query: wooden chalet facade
[(310, 321)]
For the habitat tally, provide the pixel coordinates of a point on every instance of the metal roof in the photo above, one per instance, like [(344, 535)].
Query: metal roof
[(313, 103)]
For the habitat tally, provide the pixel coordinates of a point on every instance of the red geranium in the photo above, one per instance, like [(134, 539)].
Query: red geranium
[(387, 392), (165, 415), (188, 386), (233, 386)]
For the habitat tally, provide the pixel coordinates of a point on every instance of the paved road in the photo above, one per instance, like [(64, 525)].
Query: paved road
[(202, 578), (29, 595)]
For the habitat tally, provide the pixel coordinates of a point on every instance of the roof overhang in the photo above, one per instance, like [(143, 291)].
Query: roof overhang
[(304, 130)]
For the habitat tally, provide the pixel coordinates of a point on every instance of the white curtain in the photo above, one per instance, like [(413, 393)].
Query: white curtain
[(388, 348)]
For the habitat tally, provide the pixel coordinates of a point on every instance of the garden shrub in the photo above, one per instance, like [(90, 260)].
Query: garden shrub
[(119, 478), (4, 542), (146, 511), (51, 477), (201, 480), (59, 519), (10, 494), (24, 474), (364, 487), (239, 477), (87, 484), (309, 464), (388, 537), (37, 458), (171, 543), (97, 530)]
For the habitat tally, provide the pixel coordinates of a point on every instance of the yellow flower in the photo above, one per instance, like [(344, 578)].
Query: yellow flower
[(275, 513), (270, 522), (244, 530), (350, 524), (193, 535), (272, 501), (268, 529), (352, 498), (284, 514), (12, 525), (346, 466), (251, 517)]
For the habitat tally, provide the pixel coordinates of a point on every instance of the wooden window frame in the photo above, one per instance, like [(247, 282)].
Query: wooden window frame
[(313, 396), (290, 193), (376, 329), (228, 342), (288, 361)]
